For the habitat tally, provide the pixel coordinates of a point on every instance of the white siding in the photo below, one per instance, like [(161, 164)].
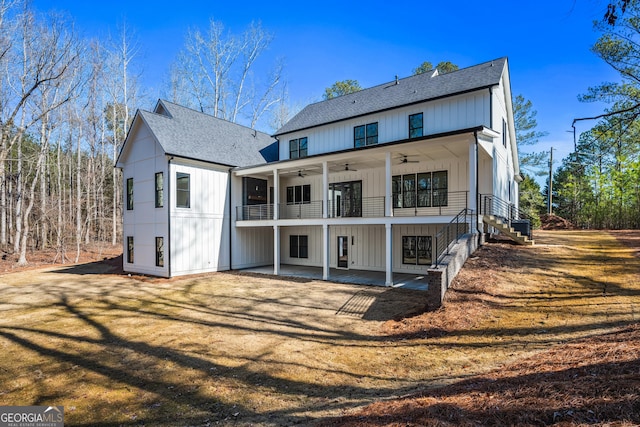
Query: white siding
[(445, 115), (252, 247), (503, 162), (200, 239), (143, 158)]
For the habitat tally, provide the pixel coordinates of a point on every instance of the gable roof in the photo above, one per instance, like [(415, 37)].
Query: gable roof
[(187, 133), (407, 91)]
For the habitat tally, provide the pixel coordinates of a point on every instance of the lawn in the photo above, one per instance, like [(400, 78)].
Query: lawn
[(232, 349)]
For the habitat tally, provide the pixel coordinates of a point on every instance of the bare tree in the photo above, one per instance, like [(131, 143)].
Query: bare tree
[(49, 38), (121, 87), (215, 73)]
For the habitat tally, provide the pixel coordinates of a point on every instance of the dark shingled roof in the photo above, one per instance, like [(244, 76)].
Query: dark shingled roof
[(409, 90), (191, 134)]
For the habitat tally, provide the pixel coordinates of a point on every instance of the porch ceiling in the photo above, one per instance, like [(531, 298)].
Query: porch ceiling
[(373, 157)]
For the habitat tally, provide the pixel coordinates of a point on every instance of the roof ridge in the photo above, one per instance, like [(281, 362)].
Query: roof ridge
[(423, 87), (210, 116), (393, 82)]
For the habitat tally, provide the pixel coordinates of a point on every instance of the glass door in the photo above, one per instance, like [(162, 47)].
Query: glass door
[(343, 252)]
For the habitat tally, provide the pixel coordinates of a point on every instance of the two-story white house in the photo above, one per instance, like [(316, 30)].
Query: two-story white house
[(176, 165), (364, 181)]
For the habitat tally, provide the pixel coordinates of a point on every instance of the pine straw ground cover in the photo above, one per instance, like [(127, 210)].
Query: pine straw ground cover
[(533, 336), (593, 380)]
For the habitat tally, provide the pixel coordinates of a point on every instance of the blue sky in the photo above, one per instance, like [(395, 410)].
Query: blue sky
[(547, 42)]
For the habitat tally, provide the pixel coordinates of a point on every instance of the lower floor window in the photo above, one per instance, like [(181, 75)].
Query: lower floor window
[(416, 250), (159, 252), (298, 246), (130, 249)]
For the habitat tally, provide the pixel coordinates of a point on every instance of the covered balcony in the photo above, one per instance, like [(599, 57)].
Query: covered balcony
[(449, 203)]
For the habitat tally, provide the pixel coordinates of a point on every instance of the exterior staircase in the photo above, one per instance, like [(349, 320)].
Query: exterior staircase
[(507, 230)]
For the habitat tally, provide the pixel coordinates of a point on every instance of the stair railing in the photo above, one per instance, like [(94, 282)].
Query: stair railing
[(451, 233), (506, 211)]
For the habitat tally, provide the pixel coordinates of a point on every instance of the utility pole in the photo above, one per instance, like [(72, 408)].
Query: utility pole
[(550, 195)]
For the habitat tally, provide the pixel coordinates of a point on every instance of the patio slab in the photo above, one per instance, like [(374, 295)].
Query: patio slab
[(357, 277)]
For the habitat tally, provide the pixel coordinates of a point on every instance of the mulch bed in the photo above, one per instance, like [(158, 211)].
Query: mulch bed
[(555, 222)]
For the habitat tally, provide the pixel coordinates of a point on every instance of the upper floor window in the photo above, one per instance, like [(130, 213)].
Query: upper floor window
[(129, 194), (345, 199), (183, 190), (159, 190), (298, 148), (365, 135), (415, 125), (299, 194), (420, 190), (504, 132)]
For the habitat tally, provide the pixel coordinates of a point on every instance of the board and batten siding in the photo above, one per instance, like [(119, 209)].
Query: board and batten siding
[(503, 162), (145, 222), (367, 245), (373, 179), (252, 247), (200, 238), (439, 116)]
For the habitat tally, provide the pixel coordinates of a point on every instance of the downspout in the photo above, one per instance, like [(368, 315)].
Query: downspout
[(475, 134), (230, 220), (491, 107), (168, 186)]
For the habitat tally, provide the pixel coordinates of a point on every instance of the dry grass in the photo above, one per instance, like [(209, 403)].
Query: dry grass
[(241, 350), (575, 299)]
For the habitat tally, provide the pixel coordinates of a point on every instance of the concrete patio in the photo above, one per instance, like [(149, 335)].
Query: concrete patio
[(358, 277)]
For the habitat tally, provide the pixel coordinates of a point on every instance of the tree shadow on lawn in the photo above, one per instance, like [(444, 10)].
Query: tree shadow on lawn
[(101, 355), (591, 381), (111, 265)]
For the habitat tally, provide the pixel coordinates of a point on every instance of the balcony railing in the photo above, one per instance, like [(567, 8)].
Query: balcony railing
[(446, 204), (254, 212), (301, 210), (367, 207)]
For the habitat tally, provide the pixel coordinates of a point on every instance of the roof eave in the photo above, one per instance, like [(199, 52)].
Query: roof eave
[(480, 88)]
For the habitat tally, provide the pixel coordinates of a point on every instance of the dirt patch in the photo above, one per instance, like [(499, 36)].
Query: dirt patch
[(555, 222), (51, 257)]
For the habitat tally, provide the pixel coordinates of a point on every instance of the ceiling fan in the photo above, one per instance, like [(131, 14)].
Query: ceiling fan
[(300, 174), (405, 160), (348, 169)]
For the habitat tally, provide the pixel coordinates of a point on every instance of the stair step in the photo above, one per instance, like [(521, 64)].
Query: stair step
[(507, 230)]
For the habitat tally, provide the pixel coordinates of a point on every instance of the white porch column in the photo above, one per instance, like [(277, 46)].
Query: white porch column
[(276, 250), (325, 252), (388, 194), (325, 190), (389, 255), (276, 194), (472, 203)]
